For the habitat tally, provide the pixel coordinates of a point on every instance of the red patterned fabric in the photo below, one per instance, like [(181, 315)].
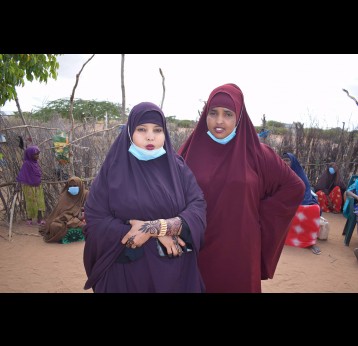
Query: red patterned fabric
[(336, 197), (304, 226)]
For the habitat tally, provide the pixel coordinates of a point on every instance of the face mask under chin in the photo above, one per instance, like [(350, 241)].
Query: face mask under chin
[(144, 154), (73, 190), (225, 140), (331, 170)]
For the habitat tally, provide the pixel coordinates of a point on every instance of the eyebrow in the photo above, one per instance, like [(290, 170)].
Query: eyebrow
[(225, 109), (145, 125)]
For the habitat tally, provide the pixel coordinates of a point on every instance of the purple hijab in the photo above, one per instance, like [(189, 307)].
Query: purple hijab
[(127, 188), (30, 172)]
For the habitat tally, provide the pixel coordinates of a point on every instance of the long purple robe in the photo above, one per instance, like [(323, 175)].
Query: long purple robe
[(127, 188)]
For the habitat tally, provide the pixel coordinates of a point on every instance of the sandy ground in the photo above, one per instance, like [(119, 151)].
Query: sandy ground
[(29, 265)]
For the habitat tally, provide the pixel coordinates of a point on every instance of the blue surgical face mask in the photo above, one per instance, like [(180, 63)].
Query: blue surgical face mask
[(73, 190), (331, 170), (144, 154), (225, 140)]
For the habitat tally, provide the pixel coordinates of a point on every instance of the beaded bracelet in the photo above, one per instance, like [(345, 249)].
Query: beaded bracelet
[(163, 228)]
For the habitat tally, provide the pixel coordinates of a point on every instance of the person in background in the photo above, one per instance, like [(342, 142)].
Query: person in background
[(66, 221), (309, 198), (352, 191), (330, 189), (145, 214), (251, 195), (29, 179)]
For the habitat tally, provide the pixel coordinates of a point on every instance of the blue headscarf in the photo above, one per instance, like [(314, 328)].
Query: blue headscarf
[(297, 168)]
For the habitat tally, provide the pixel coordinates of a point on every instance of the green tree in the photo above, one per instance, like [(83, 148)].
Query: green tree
[(14, 68), (273, 123), (81, 109)]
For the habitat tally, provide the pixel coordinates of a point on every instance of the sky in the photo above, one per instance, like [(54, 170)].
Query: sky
[(288, 88)]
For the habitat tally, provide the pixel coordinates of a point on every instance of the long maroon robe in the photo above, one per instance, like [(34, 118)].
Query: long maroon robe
[(251, 195)]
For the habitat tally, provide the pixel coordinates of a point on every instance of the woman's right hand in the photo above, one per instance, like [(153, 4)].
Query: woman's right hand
[(172, 244), (81, 214)]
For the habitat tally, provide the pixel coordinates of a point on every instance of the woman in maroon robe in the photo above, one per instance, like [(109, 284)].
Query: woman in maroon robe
[(145, 214), (250, 192)]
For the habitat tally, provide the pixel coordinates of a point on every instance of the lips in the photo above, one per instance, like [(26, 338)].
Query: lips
[(150, 147)]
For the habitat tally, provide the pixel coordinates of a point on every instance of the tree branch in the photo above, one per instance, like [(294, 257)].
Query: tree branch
[(163, 83), (353, 98)]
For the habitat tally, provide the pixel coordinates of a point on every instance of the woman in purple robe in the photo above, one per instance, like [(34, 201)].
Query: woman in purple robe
[(29, 178), (145, 214)]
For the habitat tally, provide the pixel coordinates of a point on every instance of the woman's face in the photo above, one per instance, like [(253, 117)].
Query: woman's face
[(73, 189), (72, 183), (221, 121), (149, 136), (333, 165)]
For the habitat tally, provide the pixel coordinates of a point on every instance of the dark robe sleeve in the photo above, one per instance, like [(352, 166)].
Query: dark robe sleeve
[(194, 213), (103, 234), (322, 184), (283, 192)]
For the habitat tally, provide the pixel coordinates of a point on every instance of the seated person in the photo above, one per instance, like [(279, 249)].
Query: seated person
[(330, 189), (65, 223), (309, 198), (352, 192)]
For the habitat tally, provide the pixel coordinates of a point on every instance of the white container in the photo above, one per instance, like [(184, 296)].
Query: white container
[(323, 229)]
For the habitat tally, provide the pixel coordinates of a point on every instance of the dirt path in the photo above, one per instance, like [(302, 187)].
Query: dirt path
[(334, 270), (28, 264)]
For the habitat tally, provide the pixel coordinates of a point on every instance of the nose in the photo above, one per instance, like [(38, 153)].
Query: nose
[(220, 119), (150, 136)]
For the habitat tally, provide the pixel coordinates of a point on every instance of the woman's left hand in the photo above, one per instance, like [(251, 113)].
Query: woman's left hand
[(137, 235)]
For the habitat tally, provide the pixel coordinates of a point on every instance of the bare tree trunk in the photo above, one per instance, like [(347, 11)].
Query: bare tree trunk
[(340, 145), (72, 133), (163, 83), (309, 152), (22, 117), (263, 119), (12, 214), (123, 91)]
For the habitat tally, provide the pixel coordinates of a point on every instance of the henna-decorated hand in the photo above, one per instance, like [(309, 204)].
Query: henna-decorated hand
[(173, 245), (140, 232)]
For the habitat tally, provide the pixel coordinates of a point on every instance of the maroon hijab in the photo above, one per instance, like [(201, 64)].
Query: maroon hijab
[(251, 198), (30, 172)]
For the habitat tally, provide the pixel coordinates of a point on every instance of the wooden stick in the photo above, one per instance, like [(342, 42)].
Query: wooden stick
[(12, 214)]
